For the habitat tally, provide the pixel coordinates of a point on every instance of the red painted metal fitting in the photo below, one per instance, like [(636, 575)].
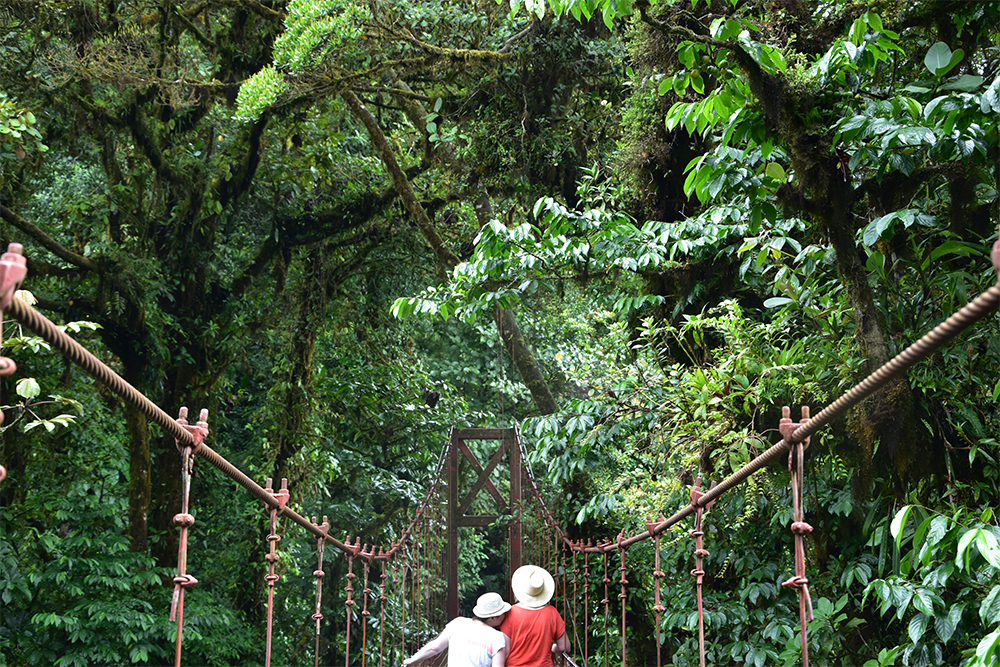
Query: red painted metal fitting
[(282, 495), (795, 582), (3, 471), (786, 426), (13, 268), (185, 580), (697, 573), (319, 574), (7, 366), (702, 553), (801, 528), (198, 432), (271, 577), (996, 258), (183, 520), (317, 617)]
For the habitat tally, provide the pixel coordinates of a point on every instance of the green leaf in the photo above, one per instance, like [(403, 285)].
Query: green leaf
[(987, 647), (898, 522), (945, 624), (989, 548), (28, 388), (697, 82), (917, 627), (989, 609), (877, 227), (964, 82), (940, 59), (964, 545), (775, 171), (777, 301)]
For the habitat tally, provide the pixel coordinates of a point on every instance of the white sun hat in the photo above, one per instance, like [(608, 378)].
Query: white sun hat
[(533, 586), (490, 605)]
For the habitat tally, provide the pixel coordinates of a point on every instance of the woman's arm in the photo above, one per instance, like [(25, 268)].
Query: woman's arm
[(431, 649)]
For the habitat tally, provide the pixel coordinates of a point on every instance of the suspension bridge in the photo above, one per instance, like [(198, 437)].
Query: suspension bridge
[(394, 592)]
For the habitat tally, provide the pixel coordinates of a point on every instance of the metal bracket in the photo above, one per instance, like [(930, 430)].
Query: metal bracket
[(198, 432), (13, 268)]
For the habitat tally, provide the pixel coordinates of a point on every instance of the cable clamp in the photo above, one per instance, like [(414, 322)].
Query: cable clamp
[(198, 431)]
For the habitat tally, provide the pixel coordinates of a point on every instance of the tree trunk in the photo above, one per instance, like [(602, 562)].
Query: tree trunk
[(527, 366), (295, 404), (138, 479), (510, 333)]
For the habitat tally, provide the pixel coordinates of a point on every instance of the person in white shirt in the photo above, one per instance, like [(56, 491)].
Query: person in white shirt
[(471, 642)]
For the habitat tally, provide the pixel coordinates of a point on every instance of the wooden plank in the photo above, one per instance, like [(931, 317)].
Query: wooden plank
[(479, 433), (484, 478), (478, 520)]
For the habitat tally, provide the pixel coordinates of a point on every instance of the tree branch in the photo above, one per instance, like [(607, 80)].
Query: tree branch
[(249, 5), (447, 259), (47, 241)]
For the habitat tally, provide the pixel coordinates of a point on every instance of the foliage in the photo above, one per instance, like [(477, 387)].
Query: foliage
[(18, 134)]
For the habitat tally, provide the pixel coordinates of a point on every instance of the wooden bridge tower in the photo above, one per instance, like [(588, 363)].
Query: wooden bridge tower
[(457, 508)]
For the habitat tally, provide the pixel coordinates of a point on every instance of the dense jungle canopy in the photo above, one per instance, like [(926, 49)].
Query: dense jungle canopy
[(636, 229)]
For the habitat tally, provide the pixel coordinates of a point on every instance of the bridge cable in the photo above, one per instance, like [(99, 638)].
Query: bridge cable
[(272, 559), (796, 467), (184, 520), (658, 607), (319, 574), (621, 596), (698, 572), (365, 614), (606, 601), (348, 604)]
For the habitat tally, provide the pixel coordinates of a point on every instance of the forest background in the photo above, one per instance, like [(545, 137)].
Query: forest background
[(634, 229)]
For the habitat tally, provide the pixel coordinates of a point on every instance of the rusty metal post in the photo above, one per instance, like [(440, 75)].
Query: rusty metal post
[(185, 520), (365, 614), (451, 608), (796, 468), (699, 572), (621, 596), (586, 605), (319, 574), (516, 535), (349, 603), (658, 574), (272, 558), (13, 268)]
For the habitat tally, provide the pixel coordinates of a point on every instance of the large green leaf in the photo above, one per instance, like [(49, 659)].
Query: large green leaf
[(963, 82), (940, 59)]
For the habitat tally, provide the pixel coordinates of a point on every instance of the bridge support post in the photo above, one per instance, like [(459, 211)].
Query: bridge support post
[(459, 505)]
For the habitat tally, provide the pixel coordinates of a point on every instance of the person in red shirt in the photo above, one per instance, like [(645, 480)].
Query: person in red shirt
[(534, 628)]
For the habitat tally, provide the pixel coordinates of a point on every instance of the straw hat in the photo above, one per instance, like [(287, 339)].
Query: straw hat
[(490, 605), (533, 586)]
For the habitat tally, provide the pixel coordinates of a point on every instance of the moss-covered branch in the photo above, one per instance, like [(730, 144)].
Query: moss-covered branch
[(47, 241)]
